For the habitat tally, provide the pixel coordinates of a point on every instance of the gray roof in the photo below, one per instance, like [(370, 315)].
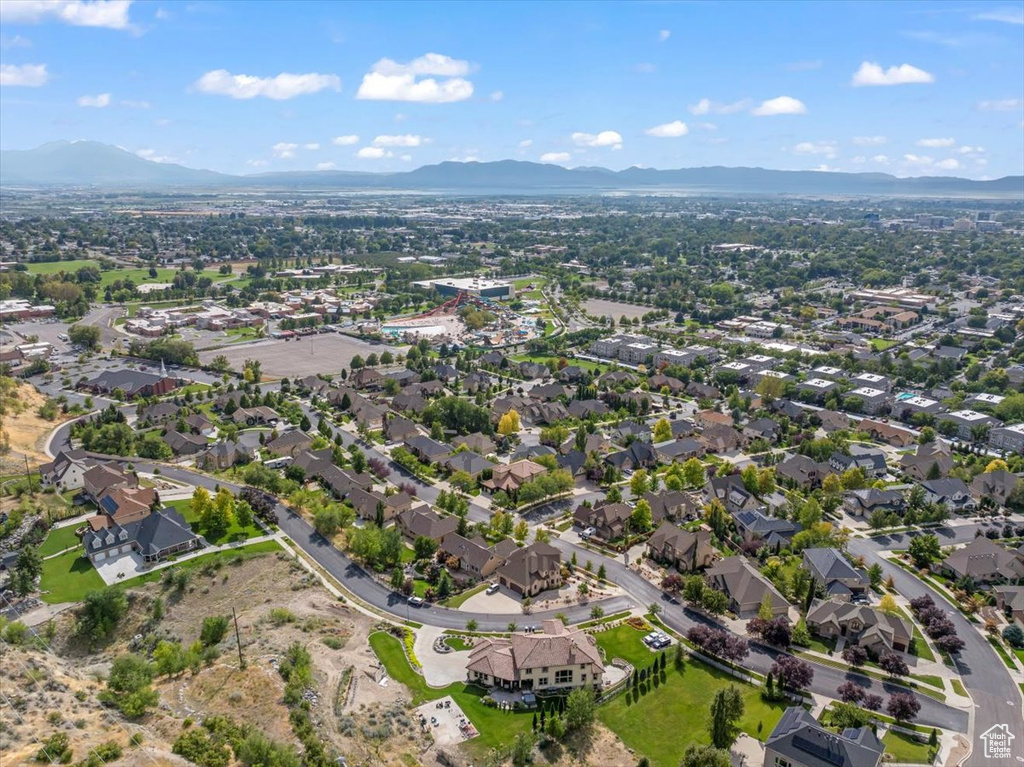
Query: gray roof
[(799, 738), (829, 565), (468, 461)]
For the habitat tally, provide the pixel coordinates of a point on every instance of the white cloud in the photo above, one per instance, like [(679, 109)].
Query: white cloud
[(466, 158), (406, 158), (664, 35), (112, 14), (152, 156), (881, 159), (869, 140), (871, 73), (526, 142), (24, 75), (782, 105), (555, 157), (707, 106), (14, 42), (325, 166), (950, 164), (283, 86), (98, 101), (404, 140), (673, 129), (497, 96), (971, 150), (284, 150), (1003, 15), (604, 138), (1001, 105), (389, 80), (312, 146), (936, 143), (345, 140), (373, 153), (826, 148), (257, 163), (823, 168)]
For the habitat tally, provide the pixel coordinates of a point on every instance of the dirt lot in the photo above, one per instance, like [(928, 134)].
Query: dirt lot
[(25, 430), (309, 355), (602, 308)]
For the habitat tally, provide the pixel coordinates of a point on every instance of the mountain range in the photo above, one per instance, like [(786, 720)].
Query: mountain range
[(94, 164)]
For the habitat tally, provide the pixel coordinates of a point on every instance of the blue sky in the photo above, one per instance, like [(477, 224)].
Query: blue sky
[(906, 88)]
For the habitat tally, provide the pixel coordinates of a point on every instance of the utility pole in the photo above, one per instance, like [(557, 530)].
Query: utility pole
[(238, 640)]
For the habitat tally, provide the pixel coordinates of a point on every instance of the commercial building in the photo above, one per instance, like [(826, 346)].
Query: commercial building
[(475, 286)]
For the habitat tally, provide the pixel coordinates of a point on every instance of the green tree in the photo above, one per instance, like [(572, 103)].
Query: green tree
[(215, 628), (693, 473), (27, 569), (101, 611), (217, 515), (86, 336), (128, 686), (638, 482), (580, 708), (662, 431), (640, 520), (705, 756), (726, 710), (924, 549)]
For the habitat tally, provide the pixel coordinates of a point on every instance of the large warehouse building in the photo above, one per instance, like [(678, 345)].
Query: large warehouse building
[(474, 286)]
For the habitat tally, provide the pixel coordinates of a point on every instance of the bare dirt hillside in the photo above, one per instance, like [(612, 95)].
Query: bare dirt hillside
[(21, 427)]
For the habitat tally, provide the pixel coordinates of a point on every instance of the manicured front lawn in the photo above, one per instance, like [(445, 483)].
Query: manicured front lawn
[(906, 749), (958, 686), (920, 648), (458, 643), (458, 600), (496, 728), (662, 723), (235, 532), (626, 642), (59, 538), (824, 645), (68, 578), (408, 556)]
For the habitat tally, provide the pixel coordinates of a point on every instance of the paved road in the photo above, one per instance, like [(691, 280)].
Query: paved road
[(997, 699), (948, 535)]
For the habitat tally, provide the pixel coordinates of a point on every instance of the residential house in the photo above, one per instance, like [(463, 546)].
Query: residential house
[(861, 625), (472, 556), (994, 486), (639, 455), (684, 550), (159, 412), (985, 562), (587, 408), (745, 586), (932, 460), (557, 658), (865, 502), (798, 740), (679, 450), (154, 537), (672, 504), (199, 424), (719, 438), (100, 477), (803, 471), (428, 450), (951, 492), (477, 442), (511, 477), (829, 568), (290, 443), (224, 455), (261, 415), (881, 431), (367, 378), (1010, 599), (607, 518), (469, 462), (398, 428), (185, 443), (831, 420), (762, 428), (870, 460), (67, 470), (730, 492), (367, 503), (755, 525), (476, 381), (422, 521), (531, 570)]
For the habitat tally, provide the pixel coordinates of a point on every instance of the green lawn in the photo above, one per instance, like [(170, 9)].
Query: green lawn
[(408, 555), (670, 716), (544, 359), (958, 686), (920, 648), (458, 643), (496, 728), (824, 645), (235, 532), (59, 538), (625, 642), (457, 600), (881, 344), (906, 749), (68, 577), (53, 267)]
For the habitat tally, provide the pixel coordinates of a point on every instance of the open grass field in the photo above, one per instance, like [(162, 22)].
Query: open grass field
[(52, 267), (68, 578), (496, 728), (235, 532), (906, 749), (672, 714), (544, 359), (58, 539)]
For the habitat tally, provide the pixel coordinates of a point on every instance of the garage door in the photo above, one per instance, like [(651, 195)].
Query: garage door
[(99, 556)]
